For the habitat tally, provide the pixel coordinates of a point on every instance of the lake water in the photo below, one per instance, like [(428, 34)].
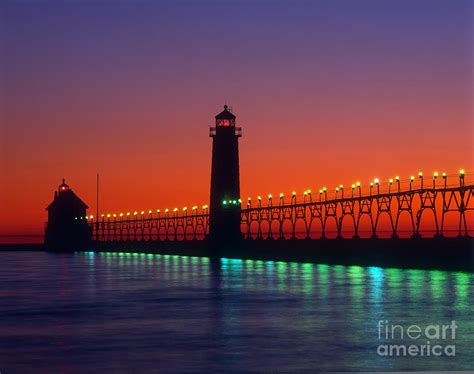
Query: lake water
[(121, 313)]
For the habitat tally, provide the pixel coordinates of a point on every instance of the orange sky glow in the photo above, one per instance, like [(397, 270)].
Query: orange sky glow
[(318, 106)]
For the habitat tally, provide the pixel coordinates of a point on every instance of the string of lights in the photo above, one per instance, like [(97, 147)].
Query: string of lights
[(279, 219), (355, 190)]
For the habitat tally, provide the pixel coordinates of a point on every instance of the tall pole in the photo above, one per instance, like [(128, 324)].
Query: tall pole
[(97, 210)]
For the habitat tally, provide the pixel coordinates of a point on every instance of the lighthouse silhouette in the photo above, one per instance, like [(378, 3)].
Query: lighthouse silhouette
[(225, 203), (67, 229)]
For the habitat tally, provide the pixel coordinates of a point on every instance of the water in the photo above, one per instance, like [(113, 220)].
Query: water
[(88, 313)]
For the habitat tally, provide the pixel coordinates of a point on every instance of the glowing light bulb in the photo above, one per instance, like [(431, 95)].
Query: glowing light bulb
[(269, 196), (294, 193), (281, 195), (358, 184), (353, 186), (128, 213), (461, 172), (397, 178), (412, 178), (149, 212), (259, 198), (420, 174), (341, 186), (390, 181), (435, 175), (185, 209), (135, 213), (108, 215), (376, 181), (175, 209)]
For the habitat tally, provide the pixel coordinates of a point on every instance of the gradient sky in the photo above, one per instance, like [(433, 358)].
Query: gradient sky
[(327, 92)]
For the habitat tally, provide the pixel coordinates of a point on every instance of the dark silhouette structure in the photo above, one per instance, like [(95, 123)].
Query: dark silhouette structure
[(343, 227), (357, 215), (67, 228), (224, 213)]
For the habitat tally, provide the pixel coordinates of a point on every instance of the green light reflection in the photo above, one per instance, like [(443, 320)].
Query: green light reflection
[(322, 271), (308, 278), (394, 283), (462, 282), (416, 283), (376, 279), (357, 281), (437, 280)]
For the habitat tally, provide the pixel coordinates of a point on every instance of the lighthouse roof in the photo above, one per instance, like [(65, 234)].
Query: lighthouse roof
[(66, 197), (225, 114)]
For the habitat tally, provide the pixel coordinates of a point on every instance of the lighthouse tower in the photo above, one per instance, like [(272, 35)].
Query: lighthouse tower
[(224, 225), (67, 229)]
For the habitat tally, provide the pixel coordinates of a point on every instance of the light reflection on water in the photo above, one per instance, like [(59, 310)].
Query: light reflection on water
[(130, 311)]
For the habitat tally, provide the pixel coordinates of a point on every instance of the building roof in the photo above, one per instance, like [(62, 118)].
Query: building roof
[(67, 198), (225, 114)]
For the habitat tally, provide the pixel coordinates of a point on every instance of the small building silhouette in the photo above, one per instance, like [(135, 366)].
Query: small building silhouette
[(67, 227)]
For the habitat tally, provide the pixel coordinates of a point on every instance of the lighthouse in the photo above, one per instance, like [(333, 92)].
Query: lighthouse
[(67, 228), (225, 203)]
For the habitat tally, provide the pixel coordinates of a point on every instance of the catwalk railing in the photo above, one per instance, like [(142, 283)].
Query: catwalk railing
[(361, 216), (423, 212)]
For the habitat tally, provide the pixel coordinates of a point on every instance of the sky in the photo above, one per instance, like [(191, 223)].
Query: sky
[(327, 92)]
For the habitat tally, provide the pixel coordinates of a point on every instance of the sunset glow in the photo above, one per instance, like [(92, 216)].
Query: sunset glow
[(326, 95)]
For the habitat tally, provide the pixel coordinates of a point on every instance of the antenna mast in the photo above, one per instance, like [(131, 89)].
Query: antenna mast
[(97, 209)]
